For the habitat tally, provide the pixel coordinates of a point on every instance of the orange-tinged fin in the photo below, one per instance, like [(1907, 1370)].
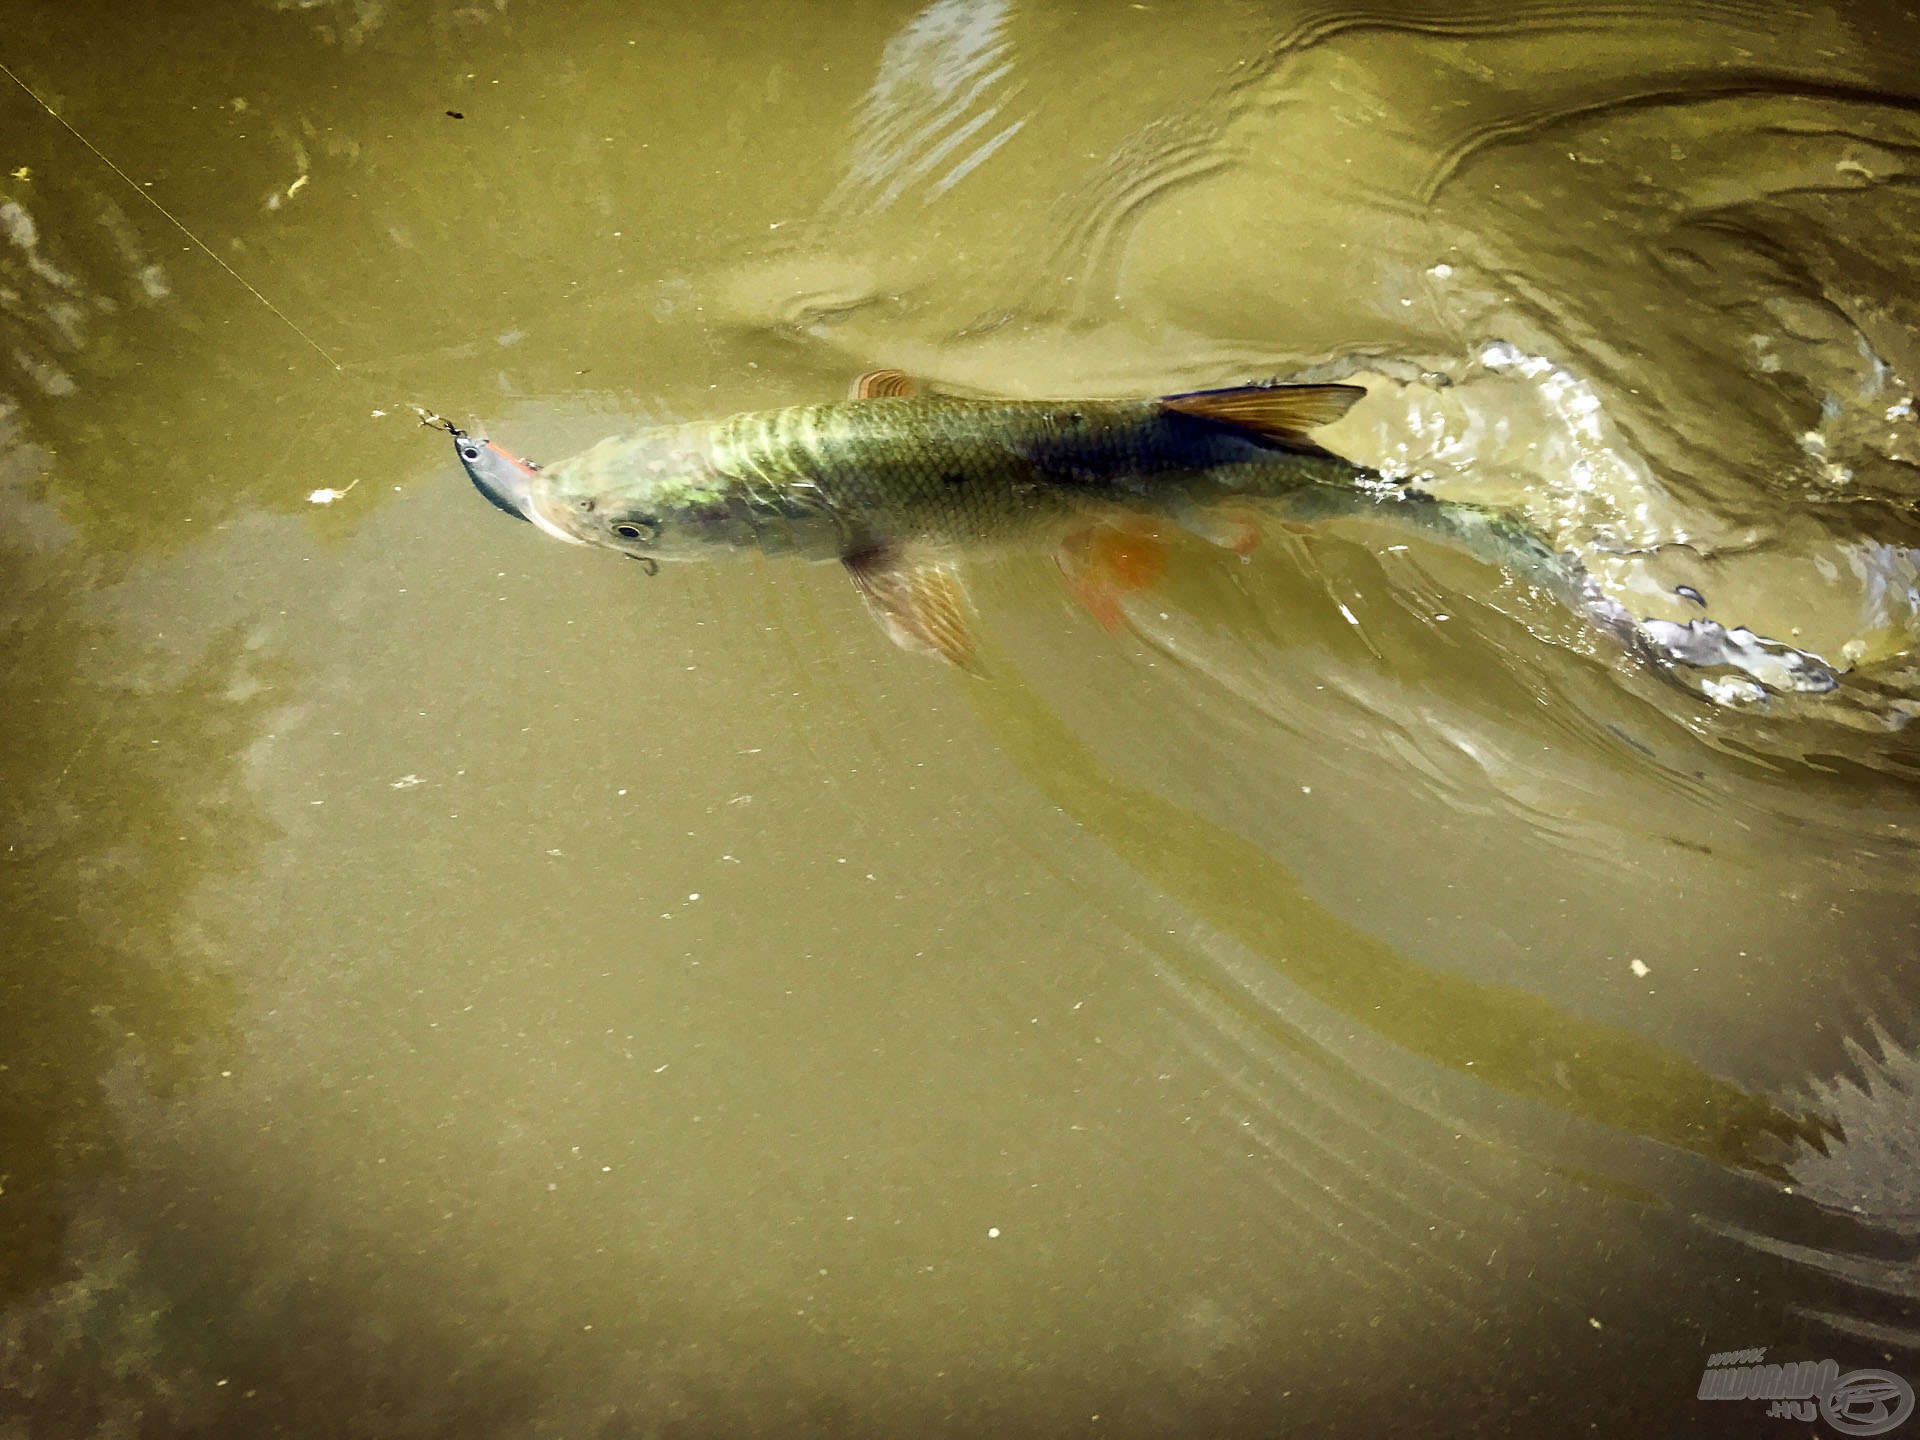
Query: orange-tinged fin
[(920, 602), (1132, 557), (883, 385), (1278, 414), (1105, 563)]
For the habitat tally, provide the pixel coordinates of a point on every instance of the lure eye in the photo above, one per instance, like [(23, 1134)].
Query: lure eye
[(469, 453)]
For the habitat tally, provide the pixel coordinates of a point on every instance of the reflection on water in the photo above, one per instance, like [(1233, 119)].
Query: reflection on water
[(463, 988), (1512, 1041), (115, 982), (124, 802)]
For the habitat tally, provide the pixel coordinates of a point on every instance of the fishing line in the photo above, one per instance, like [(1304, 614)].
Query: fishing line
[(133, 185)]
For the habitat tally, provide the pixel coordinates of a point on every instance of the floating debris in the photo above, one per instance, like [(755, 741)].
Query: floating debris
[(326, 495)]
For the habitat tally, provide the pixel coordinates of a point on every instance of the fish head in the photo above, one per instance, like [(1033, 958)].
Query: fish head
[(650, 496), (643, 522), (509, 483), (647, 496)]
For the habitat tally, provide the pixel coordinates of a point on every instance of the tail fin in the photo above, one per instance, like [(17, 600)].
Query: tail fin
[(1276, 414)]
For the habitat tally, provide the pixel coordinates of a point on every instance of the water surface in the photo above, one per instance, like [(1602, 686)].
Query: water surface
[(459, 986)]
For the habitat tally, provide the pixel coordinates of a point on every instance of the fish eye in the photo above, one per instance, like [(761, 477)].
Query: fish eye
[(636, 530)]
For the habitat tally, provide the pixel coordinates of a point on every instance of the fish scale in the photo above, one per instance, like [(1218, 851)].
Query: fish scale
[(953, 471)]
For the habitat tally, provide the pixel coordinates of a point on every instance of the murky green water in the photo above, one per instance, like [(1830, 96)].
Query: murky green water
[(457, 986)]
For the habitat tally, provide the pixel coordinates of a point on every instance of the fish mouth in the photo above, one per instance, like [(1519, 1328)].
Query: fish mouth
[(506, 481)]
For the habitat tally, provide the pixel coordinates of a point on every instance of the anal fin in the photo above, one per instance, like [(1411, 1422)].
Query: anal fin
[(920, 601)]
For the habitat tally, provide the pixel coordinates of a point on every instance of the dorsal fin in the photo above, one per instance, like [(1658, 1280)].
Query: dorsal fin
[(1279, 414), (883, 385)]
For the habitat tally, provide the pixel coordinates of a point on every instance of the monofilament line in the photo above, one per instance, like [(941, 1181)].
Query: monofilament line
[(139, 190)]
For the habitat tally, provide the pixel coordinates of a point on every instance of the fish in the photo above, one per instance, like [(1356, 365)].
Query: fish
[(900, 484)]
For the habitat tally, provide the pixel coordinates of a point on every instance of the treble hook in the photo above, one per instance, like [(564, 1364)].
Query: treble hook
[(438, 422)]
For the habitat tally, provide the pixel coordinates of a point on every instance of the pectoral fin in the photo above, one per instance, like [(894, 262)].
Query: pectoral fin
[(1278, 414), (920, 602), (883, 385)]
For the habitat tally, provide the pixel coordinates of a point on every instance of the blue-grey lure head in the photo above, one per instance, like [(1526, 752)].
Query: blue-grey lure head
[(506, 481)]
